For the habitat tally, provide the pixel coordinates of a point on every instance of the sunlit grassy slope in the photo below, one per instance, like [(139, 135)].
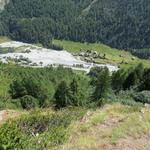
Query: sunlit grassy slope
[(109, 127), (81, 129), (113, 56)]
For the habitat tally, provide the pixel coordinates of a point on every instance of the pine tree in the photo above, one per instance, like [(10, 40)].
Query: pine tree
[(102, 86), (75, 97), (130, 81), (74, 86), (17, 89), (139, 71), (118, 79), (62, 95), (145, 84)]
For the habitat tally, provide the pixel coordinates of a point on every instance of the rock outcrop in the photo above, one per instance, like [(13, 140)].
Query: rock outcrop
[(3, 3)]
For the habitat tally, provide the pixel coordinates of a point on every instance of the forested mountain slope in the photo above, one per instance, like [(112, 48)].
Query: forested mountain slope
[(121, 24)]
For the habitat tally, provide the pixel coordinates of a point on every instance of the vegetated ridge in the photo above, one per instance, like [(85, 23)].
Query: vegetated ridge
[(119, 24)]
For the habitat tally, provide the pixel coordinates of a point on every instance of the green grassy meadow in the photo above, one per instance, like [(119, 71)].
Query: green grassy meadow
[(113, 56)]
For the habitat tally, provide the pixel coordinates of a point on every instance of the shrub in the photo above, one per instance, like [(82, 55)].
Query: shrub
[(6, 102), (143, 97), (38, 130), (17, 89), (124, 97), (28, 102), (56, 47), (145, 84)]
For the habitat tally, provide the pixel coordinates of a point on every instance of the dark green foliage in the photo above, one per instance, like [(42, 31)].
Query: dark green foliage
[(121, 24), (141, 53), (142, 97), (102, 86), (145, 83), (139, 71), (126, 79), (94, 73), (78, 94), (118, 78), (29, 102), (124, 97), (73, 94), (63, 95), (17, 89), (61, 87), (43, 83), (135, 77), (56, 47), (130, 81), (29, 86)]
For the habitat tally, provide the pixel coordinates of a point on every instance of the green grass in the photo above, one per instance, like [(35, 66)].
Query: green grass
[(112, 54), (107, 126), (131, 127), (38, 129)]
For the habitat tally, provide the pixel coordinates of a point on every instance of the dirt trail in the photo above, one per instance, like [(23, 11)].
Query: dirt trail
[(96, 137), (7, 114), (130, 143), (87, 9), (1, 116)]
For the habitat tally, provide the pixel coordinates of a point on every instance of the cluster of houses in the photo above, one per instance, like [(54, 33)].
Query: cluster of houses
[(90, 55)]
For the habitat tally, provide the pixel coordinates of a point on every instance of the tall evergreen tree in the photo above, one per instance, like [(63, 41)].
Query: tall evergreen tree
[(131, 80), (139, 71), (145, 84), (77, 95), (63, 95), (118, 79), (102, 86)]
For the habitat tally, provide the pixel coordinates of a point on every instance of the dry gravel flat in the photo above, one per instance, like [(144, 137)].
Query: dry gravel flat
[(43, 57)]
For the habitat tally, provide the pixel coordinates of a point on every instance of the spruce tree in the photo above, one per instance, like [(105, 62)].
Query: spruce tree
[(75, 92), (62, 95), (102, 86), (130, 81), (118, 79), (139, 71), (145, 84)]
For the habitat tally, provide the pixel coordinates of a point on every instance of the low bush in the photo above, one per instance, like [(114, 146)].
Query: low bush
[(123, 97), (38, 130), (56, 47), (6, 102), (29, 102), (143, 97)]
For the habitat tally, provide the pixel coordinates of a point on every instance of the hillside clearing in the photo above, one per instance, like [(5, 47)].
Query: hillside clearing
[(113, 56)]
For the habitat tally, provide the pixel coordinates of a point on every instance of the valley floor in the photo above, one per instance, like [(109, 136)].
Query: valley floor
[(31, 55)]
